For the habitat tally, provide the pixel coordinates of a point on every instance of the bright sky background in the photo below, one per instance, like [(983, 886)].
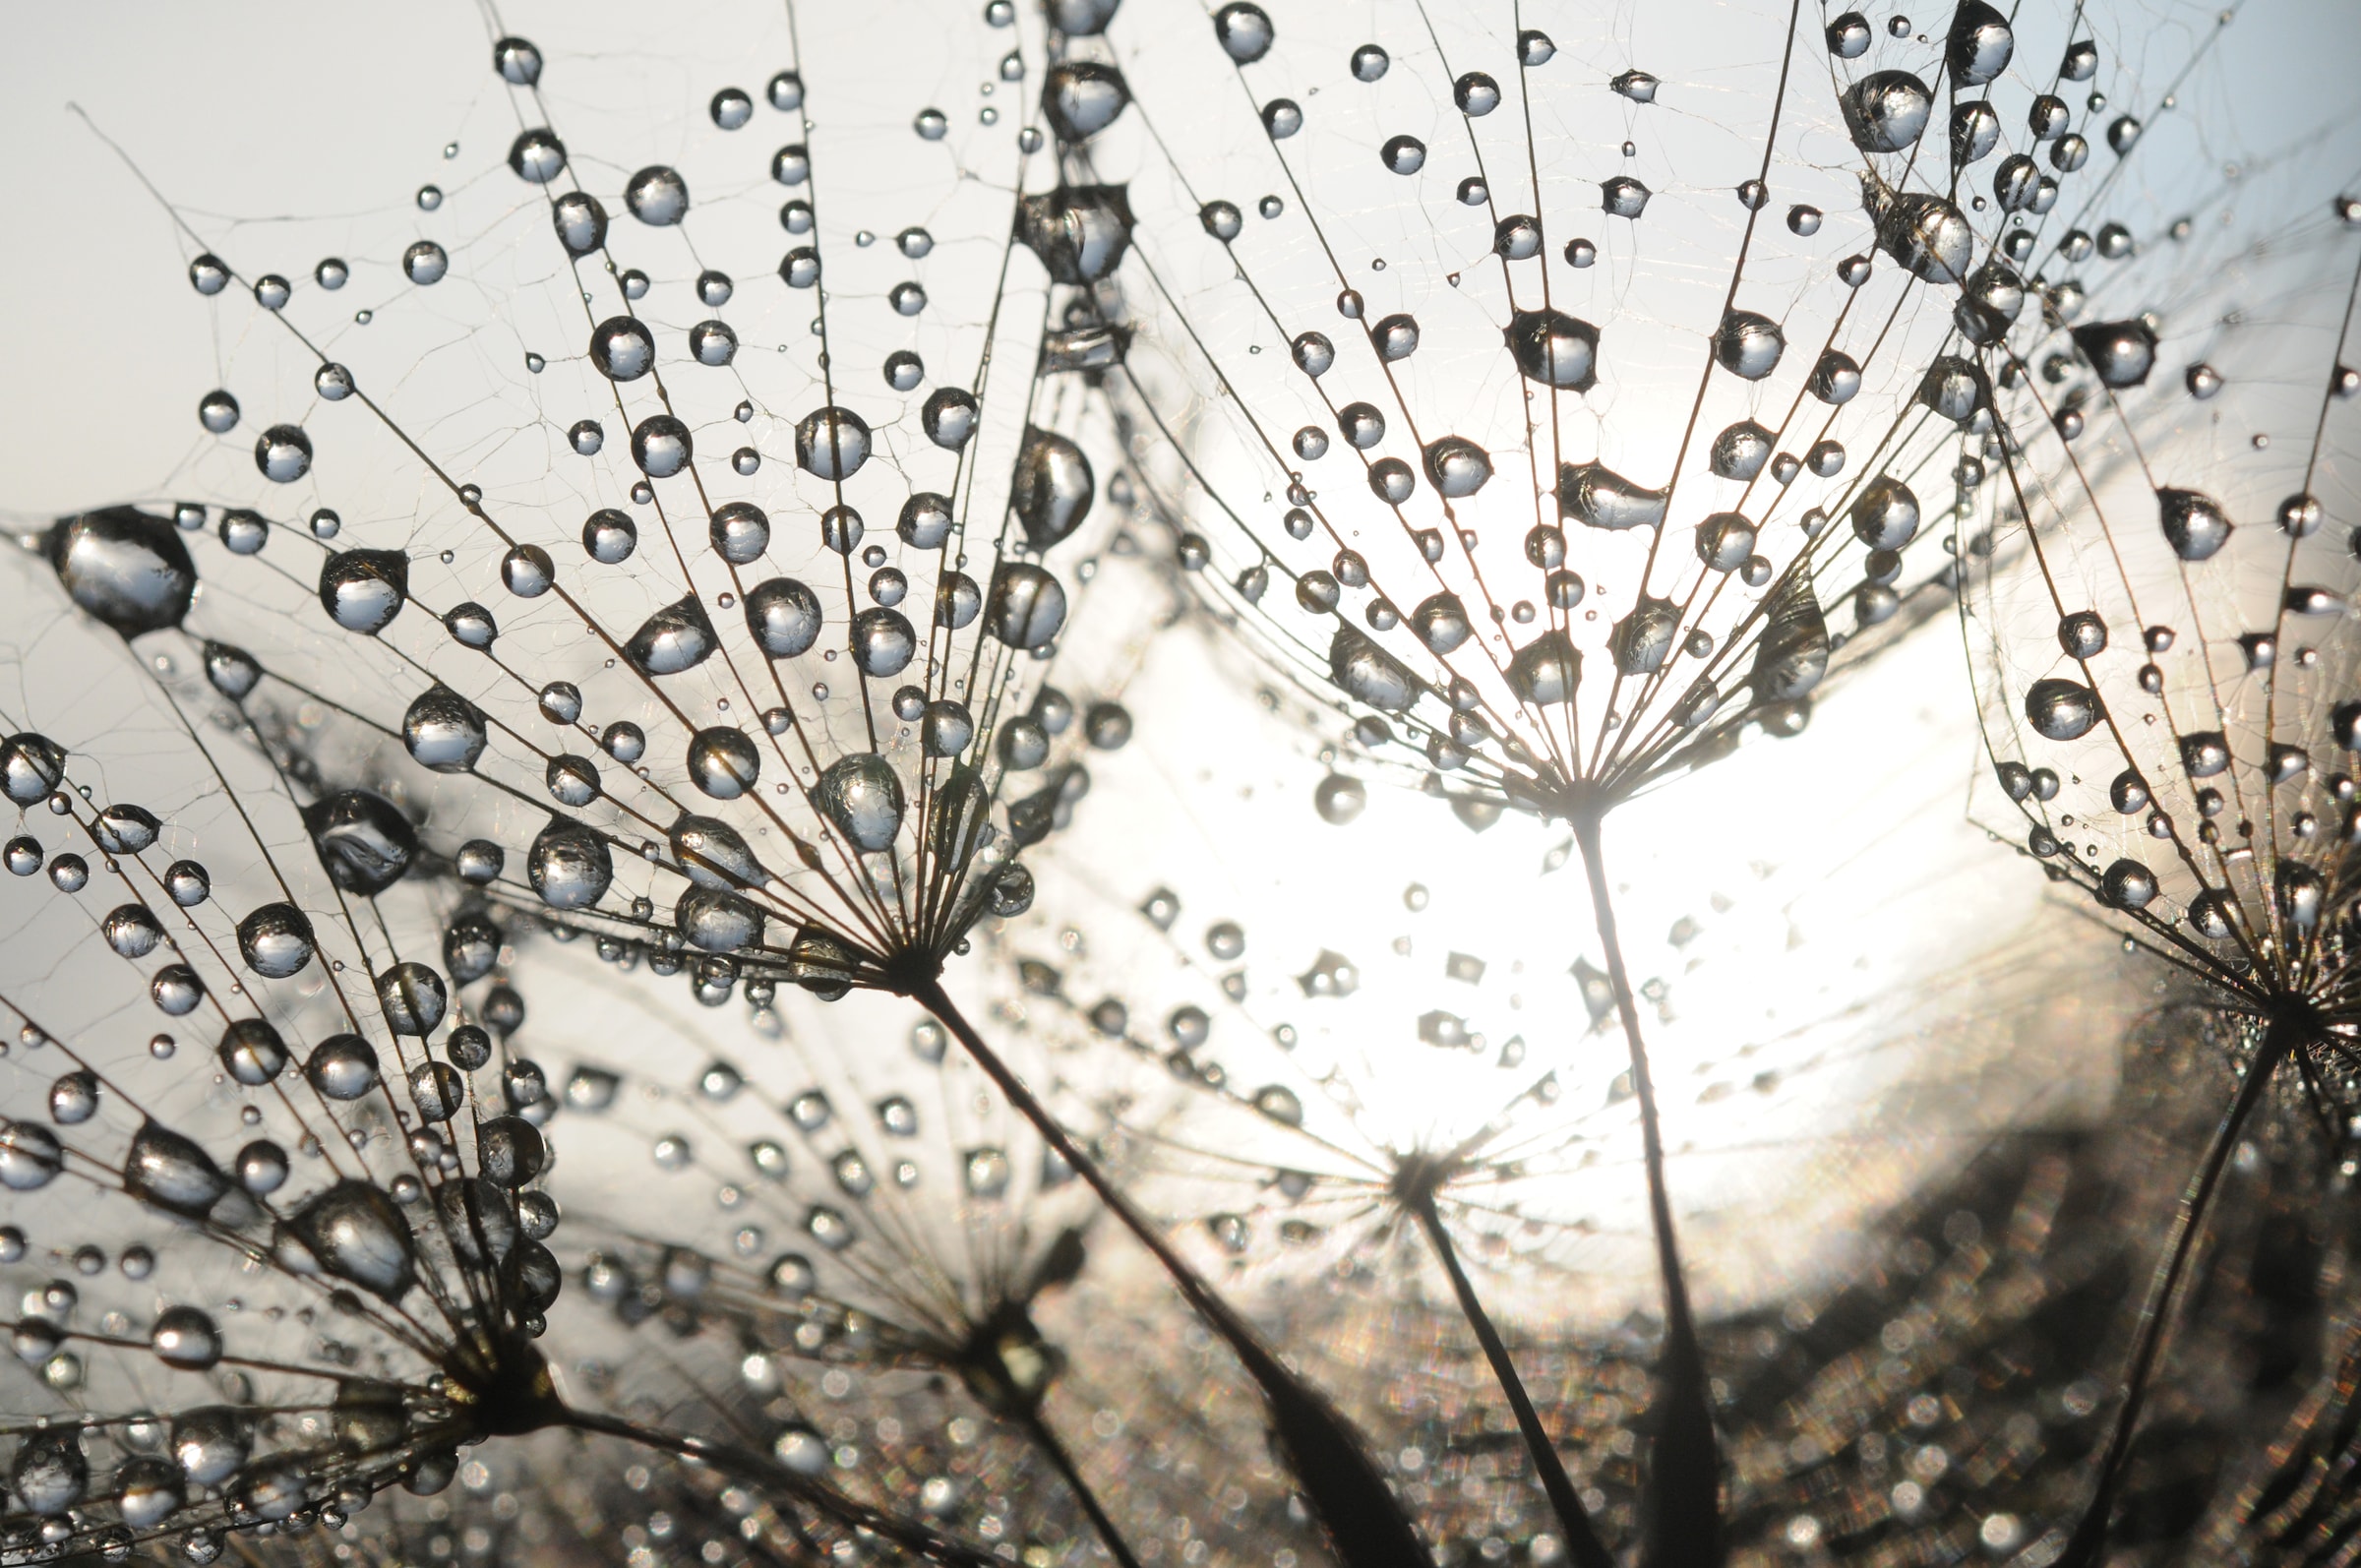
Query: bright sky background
[(260, 110)]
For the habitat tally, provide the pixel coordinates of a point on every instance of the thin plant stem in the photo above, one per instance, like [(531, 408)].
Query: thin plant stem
[(1365, 1523), (1053, 1450), (1684, 1521), (2282, 1039), (1582, 1536)]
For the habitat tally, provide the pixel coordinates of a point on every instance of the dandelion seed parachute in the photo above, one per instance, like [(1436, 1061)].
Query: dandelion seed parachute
[(2176, 744), (453, 300), (1581, 426), (842, 1221), (843, 820), (275, 1220)]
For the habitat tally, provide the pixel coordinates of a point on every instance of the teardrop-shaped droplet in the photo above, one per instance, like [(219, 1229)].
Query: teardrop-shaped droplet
[(1980, 45), (1604, 499), (1368, 674), (861, 796), (1793, 654), (355, 1232), (712, 853), (1643, 640), (1457, 467), (1052, 487), (171, 1172), (2122, 353), (569, 865), (679, 637), (1026, 606), (1083, 97), (2194, 523), (1545, 671)]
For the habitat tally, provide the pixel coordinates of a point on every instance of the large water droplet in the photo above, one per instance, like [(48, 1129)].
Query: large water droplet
[(1368, 674), (1051, 489), (123, 566), (657, 196), (1886, 111), (1604, 499), (1979, 44), (661, 446), (1739, 452), (723, 762), (831, 443), (884, 641), (283, 455), (1793, 654), (363, 590), (1929, 235), (171, 1172), (1747, 344), (581, 221), (1083, 97), (1545, 671), (784, 617), (2194, 523), (275, 940), (51, 1473), (622, 348), (569, 865), (1026, 606), (2061, 710), (713, 854), (862, 797), (1243, 31), (1456, 466), (537, 157), (354, 1232), (1643, 640), (443, 731), (679, 637), (1078, 231), (364, 842), (2121, 352), (1551, 347), (187, 1338)]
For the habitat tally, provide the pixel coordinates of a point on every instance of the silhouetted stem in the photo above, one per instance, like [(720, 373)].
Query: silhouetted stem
[(1581, 1537), (760, 1470), (2281, 1039), (1045, 1439), (1364, 1524), (1684, 1513)]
